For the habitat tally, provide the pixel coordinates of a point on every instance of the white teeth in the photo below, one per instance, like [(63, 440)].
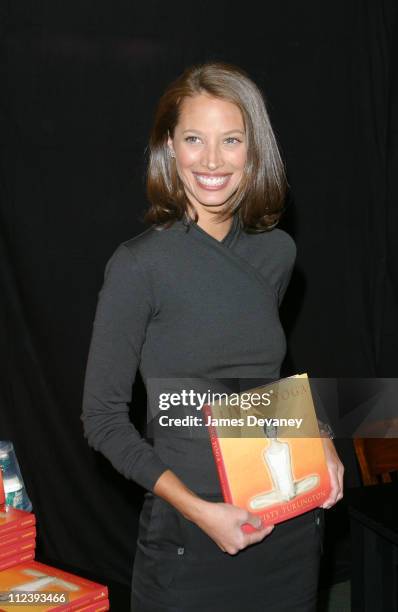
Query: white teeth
[(211, 181)]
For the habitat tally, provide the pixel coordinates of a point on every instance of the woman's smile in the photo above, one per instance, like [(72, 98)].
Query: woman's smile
[(211, 182)]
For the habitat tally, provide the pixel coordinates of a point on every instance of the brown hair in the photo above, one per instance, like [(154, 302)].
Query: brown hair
[(261, 193)]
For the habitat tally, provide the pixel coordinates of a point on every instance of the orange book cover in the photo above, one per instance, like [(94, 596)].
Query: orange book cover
[(13, 519), (47, 584), (13, 560), (13, 537), (268, 452), (17, 548)]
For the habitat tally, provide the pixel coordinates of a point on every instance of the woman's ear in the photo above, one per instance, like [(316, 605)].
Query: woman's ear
[(170, 145)]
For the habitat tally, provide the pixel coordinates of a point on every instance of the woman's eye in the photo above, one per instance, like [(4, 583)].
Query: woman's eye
[(193, 139), (232, 140)]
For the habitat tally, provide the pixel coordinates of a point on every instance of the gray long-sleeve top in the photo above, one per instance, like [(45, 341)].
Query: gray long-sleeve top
[(178, 303)]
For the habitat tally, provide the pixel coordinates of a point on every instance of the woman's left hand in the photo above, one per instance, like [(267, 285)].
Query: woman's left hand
[(336, 474)]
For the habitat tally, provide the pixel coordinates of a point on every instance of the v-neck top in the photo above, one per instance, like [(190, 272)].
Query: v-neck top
[(178, 303), (230, 236)]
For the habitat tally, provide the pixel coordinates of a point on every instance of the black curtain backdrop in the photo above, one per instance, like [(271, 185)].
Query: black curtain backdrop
[(80, 82)]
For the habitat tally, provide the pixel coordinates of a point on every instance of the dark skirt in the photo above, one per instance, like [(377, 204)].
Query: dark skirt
[(178, 568)]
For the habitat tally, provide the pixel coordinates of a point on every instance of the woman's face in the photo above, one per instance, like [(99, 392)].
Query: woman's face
[(209, 144)]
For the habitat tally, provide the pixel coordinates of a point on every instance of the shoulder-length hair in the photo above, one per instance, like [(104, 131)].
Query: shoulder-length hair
[(261, 193)]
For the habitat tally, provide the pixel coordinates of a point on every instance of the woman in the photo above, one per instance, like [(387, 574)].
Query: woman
[(197, 295)]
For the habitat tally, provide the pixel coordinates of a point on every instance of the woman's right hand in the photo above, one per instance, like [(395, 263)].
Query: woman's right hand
[(223, 523)]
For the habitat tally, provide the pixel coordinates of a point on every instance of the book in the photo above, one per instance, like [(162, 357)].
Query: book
[(268, 451), (13, 519), (45, 581), (17, 548), (13, 537), (16, 560)]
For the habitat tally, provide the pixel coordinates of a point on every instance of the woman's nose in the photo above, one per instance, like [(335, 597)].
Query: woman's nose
[(212, 157)]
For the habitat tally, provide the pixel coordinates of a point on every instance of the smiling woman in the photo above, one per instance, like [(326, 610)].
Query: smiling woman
[(196, 296)]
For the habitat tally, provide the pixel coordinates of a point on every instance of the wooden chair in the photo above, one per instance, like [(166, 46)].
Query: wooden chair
[(377, 458)]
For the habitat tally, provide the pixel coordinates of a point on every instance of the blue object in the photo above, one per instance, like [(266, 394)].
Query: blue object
[(14, 487)]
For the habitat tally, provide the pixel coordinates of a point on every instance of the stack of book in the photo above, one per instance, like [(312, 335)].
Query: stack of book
[(17, 536), (40, 587)]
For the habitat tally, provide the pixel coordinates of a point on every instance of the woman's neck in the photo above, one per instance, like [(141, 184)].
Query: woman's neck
[(209, 223)]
